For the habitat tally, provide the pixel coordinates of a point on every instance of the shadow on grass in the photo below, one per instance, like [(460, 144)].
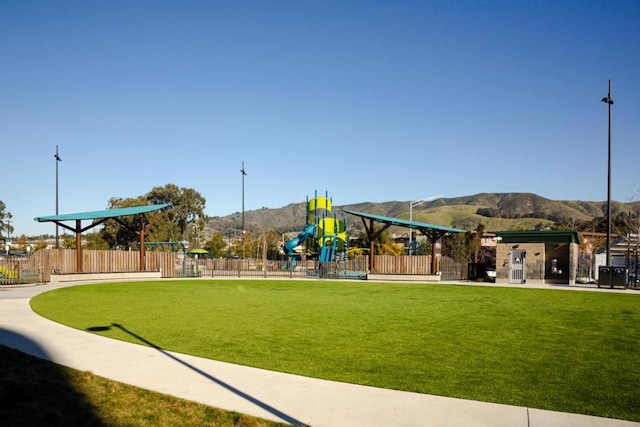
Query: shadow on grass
[(35, 392), (285, 417)]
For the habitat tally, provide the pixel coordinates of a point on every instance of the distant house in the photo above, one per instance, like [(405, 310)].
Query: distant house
[(488, 240), (540, 257)]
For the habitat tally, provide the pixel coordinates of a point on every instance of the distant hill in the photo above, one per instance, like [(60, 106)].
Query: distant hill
[(496, 211)]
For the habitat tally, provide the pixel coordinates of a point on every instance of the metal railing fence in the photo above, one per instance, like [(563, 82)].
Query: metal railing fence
[(38, 266), (20, 270)]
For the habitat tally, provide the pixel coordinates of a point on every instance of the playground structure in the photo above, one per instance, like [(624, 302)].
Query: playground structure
[(324, 236)]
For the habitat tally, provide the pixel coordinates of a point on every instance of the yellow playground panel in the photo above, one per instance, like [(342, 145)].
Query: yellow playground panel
[(329, 229), (317, 208)]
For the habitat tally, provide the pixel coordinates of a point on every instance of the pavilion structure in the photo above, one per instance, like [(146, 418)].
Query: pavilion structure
[(99, 217)]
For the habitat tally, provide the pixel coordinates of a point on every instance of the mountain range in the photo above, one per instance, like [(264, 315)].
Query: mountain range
[(496, 211)]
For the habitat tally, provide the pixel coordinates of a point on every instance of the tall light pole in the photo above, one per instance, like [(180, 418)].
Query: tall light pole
[(608, 100), (243, 175), (8, 221), (411, 205), (58, 160)]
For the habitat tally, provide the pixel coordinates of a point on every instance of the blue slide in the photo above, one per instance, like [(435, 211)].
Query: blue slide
[(326, 254), (289, 247)]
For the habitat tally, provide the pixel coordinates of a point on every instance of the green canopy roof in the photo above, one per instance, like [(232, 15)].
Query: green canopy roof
[(405, 223), (99, 217), (107, 213)]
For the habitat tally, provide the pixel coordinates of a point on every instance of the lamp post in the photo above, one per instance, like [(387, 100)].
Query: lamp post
[(608, 100), (411, 205), (58, 160), (243, 175), (8, 221)]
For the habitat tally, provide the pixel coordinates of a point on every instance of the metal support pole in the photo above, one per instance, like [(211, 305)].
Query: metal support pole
[(58, 160), (410, 252), (609, 101), (79, 264), (411, 205), (243, 175)]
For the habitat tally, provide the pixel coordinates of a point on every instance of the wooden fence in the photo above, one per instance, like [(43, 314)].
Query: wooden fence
[(403, 264), (448, 268), (38, 266)]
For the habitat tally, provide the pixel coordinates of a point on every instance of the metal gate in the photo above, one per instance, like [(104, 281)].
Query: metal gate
[(518, 266)]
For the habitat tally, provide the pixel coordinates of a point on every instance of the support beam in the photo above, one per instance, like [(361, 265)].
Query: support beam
[(79, 263), (142, 233), (78, 230), (372, 234), (433, 236)]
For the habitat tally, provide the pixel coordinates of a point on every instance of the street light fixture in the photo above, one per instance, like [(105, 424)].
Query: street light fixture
[(243, 175), (58, 160), (608, 100), (411, 206)]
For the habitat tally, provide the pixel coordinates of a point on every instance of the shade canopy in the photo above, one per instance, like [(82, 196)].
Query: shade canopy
[(99, 217), (107, 213), (433, 232)]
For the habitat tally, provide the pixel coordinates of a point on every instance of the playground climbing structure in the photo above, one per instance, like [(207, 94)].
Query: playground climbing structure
[(323, 238)]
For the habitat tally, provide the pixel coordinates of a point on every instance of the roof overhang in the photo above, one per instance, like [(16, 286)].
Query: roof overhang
[(545, 236), (405, 223), (107, 213)]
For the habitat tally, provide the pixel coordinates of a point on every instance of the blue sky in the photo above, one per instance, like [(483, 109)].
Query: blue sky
[(367, 100)]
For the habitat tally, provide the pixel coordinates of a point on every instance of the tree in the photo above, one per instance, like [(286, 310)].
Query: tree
[(455, 246), (465, 247), (474, 243), (171, 224), (187, 208), (114, 233), (5, 221), (40, 245), (68, 242), (274, 244), (383, 243), (216, 246), (626, 223), (95, 241), (361, 240), (22, 242)]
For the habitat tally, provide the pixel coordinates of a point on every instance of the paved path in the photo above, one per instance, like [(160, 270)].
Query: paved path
[(267, 394)]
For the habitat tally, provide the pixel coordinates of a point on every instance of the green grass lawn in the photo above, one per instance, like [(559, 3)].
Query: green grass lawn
[(552, 349)]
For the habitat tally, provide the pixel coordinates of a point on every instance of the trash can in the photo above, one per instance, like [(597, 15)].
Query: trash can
[(619, 276), (604, 275)]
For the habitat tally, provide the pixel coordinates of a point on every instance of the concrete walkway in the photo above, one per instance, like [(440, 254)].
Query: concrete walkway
[(266, 394)]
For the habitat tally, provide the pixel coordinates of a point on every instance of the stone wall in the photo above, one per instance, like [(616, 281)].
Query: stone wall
[(540, 265), (534, 261)]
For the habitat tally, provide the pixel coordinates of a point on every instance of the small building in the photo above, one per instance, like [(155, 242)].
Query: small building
[(537, 257)]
